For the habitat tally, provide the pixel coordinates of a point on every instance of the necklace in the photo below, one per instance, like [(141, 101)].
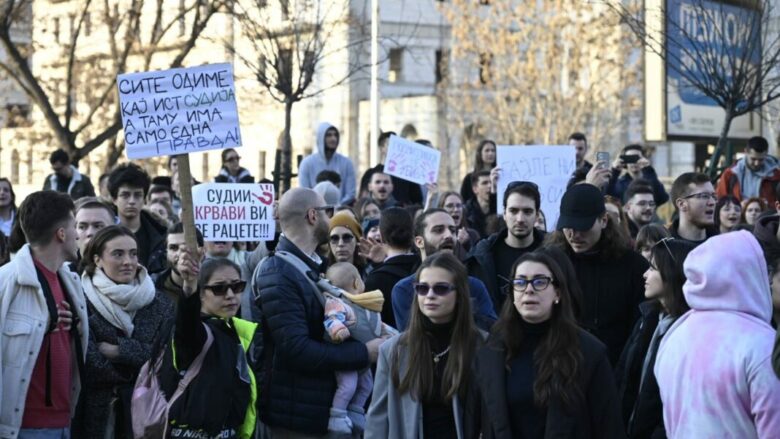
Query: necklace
[(437, 357)]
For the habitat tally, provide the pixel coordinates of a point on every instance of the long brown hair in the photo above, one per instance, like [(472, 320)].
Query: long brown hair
[(558, 355), (479, 164), (418, 377), (98, 243), (613, 243)]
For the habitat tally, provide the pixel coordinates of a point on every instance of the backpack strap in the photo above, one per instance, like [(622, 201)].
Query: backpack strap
[(304, 270), (194, 368)]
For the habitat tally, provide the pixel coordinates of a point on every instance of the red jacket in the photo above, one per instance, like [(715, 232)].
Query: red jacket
[(729, 184)]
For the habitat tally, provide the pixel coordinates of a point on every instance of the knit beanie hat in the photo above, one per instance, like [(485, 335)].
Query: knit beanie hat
[(345, 219), (329, 192)]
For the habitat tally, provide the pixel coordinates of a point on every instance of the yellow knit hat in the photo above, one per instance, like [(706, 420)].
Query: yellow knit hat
[(345, 219)]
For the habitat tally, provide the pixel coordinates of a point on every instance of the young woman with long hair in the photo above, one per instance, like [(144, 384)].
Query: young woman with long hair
[(540, 375), (485, 160), (126, 317), (424, 385), (753, 209), (7, 206), (638, 389)]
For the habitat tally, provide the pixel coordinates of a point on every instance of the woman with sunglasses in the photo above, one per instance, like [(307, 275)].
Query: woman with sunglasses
[(345, 233), (126, 315), (638, 388), (231, 171), (540, 375), (467, 237), (220, 401), (424, 385)]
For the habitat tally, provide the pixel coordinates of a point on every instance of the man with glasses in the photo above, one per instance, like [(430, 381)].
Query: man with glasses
[(434, 231), (231, 171), (754, 175), (492, 259), (640, 205), (300, 384), (694, 200)]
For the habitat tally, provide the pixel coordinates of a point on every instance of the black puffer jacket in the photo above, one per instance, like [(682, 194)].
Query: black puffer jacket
[(595, 414), (152, 254), (386, 275), (481, 264), (297, 383)]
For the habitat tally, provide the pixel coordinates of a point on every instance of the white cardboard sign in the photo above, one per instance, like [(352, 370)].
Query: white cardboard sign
[(550, 167), (412, 161), (179, 111), (234, 211)]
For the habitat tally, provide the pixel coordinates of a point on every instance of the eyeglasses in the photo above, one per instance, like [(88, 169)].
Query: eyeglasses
[(345, 238), (329, 210), (664, 241), (515, 184), (222, 289), (440, 289), (702, 196), (539, 283), (233, 159)]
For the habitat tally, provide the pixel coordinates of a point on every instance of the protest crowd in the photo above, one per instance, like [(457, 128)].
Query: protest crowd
[(383, 308)]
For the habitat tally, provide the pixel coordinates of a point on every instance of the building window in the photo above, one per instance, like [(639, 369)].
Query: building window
[(485, 61), (87, 24), (182, 24), (284, 68), (204, 169), (17, 115), (396, 64), (309, 63), (442, 65), (261, 163), (30, 167), (262, 65), (285, 7), (57, 29), (72, 24)]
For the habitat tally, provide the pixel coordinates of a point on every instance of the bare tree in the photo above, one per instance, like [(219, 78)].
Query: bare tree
[(286, 48), (104, 38), (728, 52), (534, 72)]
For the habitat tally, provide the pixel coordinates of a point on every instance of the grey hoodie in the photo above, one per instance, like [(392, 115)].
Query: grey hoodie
[(749, 180), (312, 165)]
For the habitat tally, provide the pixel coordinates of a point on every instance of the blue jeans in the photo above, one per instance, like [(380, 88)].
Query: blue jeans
[(44, 433)]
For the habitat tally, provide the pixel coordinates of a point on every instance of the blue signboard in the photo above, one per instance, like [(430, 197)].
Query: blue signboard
[(711, 30)]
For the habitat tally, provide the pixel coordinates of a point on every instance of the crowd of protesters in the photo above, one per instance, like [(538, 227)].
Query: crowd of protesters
[(386, 309)]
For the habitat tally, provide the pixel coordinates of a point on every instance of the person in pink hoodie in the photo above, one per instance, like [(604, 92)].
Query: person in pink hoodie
[(714, 365)]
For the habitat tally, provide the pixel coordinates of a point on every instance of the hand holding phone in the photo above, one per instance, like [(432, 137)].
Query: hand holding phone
[(602, 159)]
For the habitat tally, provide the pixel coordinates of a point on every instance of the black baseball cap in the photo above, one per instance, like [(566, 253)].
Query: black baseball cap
[(581, 205)]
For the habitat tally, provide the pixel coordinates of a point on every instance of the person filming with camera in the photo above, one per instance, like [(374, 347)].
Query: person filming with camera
[(630, 165)]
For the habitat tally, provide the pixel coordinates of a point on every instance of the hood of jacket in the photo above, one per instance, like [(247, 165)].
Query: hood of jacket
[(771, 163), (741, 285), (321, 130)]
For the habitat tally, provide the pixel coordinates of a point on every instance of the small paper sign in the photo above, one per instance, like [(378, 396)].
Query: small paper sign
[(234, 211), (412, 161)]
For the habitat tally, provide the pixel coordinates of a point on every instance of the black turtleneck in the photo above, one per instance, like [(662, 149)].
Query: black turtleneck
[(438, 419), (527, 419)]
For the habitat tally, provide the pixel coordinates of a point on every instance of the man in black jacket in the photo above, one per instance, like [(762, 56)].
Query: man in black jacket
[(297, 383), (492, 259), (396, 226), (128, 185), (405, 192), (66, 178), (609, 272)]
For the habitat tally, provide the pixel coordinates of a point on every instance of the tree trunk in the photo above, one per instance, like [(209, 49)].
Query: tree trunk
[(721, 145), (286, 162)]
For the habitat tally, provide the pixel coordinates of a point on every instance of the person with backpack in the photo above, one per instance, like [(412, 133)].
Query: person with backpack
[(126, 314), (220, 400)]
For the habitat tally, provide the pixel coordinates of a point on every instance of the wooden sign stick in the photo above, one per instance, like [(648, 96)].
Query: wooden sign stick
[(187, 214)]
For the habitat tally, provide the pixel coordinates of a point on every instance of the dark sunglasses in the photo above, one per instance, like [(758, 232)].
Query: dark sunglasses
[(515, 184), (329, 210), (233, 159), (222, 289), (345, 238), (440, 289)]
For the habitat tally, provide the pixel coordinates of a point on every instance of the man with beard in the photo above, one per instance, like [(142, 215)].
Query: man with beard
[(299, 383), (327, 159), (406, 192), (492, 259), (694, 199), (640, 206), (754, 175), (609, 272), (43, 323), (380, 189), (434, 231)]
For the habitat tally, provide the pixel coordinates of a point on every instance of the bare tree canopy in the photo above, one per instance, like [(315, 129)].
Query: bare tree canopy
[(80, 47), (723, 52)]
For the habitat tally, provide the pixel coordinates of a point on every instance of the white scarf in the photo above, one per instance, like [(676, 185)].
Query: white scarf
[(118, 303)]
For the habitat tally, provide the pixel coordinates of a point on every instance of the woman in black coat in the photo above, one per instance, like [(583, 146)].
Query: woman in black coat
[(540, 376)]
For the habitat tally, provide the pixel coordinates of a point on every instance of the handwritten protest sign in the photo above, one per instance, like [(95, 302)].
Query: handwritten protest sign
[(234, 211), (550, 167), (412, 161), (179, 111)]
